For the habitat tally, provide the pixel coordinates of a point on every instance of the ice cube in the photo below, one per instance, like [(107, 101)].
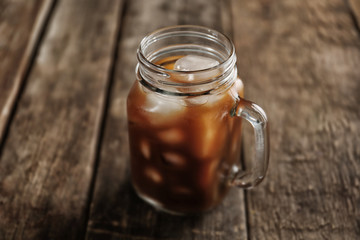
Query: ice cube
[(172, 136), (182, 190), (209, 100), (145, 148), (153, 108), (197, 100), (174, 159), (153, 174), (237, 90), (162, 110), (210, 134), (195, 63)]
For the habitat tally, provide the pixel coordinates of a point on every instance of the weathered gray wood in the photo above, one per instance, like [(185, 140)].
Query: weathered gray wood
[(300, 61), (47, 161), (117, 213), (20, 26)]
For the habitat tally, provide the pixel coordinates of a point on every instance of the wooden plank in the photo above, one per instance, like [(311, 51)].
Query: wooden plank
[(355, 12), (117, 213), (300, 61), (21, 23), (47, 161)]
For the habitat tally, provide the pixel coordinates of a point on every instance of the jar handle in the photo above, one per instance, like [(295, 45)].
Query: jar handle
[(256, 116)]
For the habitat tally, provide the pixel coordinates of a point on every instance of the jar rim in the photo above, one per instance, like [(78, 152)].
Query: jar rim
[(200, 30), (158, 77)]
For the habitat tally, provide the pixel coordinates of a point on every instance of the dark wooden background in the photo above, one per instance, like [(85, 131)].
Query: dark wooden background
[(66, 67)]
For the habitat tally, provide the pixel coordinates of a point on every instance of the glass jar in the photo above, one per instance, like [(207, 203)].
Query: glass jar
[(185, 125)]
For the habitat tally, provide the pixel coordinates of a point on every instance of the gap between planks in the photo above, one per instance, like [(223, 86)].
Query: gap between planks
[(101, 121), (354, 6), (228, 28)]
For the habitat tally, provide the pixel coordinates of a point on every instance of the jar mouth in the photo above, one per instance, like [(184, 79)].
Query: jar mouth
[(189, 30), (173, 40)]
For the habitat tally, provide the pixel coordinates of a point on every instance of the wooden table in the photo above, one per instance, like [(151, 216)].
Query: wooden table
[(65, 70)]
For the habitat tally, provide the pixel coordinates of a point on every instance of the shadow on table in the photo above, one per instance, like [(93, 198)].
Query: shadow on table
[(126, 216)]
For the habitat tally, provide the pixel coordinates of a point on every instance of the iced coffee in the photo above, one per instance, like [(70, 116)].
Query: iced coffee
[(184, 131)]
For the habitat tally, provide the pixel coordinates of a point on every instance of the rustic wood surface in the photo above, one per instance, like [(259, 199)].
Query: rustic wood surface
[(300, 60), (47, 160), (65, 71), (21, 24)]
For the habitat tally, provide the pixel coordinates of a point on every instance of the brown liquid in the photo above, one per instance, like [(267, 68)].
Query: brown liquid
[(181, 151)]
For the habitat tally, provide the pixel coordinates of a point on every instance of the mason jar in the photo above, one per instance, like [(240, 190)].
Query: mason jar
[(185, 111)]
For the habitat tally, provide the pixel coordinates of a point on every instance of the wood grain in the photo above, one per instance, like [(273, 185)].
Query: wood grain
[(300, 61), (354, 6), (21, 23), (117, 213), (47, 162)]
